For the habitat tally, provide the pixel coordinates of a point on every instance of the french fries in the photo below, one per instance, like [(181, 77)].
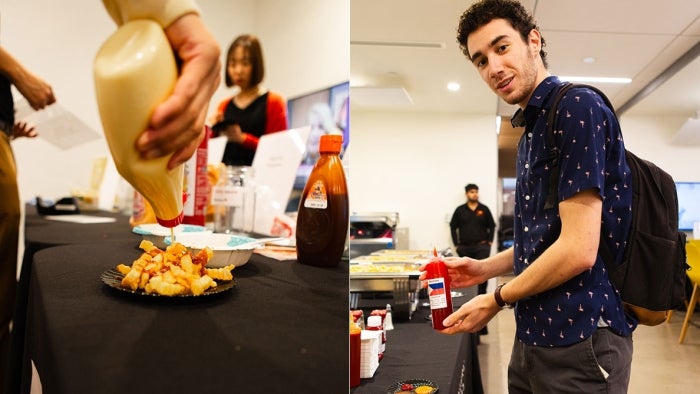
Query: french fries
[(174, 271)]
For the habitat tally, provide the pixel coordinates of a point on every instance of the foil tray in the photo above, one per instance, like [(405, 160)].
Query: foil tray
[(397, 278)]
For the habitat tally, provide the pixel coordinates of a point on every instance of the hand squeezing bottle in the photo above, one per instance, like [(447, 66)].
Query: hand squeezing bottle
[(134, 71)]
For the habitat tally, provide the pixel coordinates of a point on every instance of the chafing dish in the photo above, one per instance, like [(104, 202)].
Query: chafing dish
[(390, 274)]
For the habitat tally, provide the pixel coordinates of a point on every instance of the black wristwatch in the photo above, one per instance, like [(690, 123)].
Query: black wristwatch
[(499, 299)]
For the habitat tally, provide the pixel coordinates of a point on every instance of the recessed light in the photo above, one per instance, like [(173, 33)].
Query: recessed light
[(453, 86), (595, 79), (588, 60)]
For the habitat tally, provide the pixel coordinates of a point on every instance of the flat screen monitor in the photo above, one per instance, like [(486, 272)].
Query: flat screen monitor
[(325, 111), (688, 204)]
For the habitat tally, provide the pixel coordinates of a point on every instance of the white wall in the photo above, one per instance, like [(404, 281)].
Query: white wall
[(650, 137), (305, 42), (417, 164)]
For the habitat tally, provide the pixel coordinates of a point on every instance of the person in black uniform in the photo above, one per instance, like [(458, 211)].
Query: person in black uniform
[(473, 228)]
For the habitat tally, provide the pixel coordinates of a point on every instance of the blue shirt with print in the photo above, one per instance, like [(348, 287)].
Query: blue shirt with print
[(591, 157)]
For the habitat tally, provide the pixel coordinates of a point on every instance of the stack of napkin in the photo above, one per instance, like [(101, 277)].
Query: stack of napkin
[(369, 357)]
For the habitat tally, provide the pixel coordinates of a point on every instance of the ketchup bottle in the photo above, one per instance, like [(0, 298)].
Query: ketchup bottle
[(439, 291)]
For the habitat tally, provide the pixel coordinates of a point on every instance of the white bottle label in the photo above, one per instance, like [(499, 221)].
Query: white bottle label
[(229, 196), (317, 197), (436, 293)]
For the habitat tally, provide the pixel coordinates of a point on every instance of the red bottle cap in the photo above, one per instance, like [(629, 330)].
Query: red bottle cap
[(331, 143), (170, 223)]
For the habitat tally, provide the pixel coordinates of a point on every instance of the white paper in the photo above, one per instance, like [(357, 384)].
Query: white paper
[(215, 149), (82, 219), (56, 125), (369, 354), (275, 167)]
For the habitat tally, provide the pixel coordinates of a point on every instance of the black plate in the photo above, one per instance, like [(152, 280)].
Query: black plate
[(113, 279), (396, 387)]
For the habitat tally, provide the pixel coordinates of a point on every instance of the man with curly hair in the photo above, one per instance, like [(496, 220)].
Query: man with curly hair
[(572, 334)]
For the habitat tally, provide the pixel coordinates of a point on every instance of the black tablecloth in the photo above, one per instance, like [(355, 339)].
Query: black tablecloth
[(415, 351), (282, 329), (41, 233)]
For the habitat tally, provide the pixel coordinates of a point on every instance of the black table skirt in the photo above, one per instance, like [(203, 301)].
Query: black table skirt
[(41, 233), (282, 328), (415, 351)]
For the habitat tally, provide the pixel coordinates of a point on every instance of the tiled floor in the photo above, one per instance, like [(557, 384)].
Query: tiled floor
[(659, 364)]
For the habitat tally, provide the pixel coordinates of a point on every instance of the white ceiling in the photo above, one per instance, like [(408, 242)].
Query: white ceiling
[(409, 48)]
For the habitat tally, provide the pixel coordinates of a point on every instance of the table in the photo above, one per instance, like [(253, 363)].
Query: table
[(415, 351), (282, 328), (41, 233)]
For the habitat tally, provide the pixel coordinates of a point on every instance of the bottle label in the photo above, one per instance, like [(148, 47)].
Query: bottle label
[(227, 195), (436, 293), (317, 197)]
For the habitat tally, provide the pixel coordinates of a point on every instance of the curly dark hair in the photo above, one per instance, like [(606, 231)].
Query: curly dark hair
[(484, 11)]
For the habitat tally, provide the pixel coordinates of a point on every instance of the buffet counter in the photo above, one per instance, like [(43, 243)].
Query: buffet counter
[(415, 351), (281, 328)]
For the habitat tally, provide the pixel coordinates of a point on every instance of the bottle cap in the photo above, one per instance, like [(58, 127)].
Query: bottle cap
[(331, 143), (171, 222), (374, 321)]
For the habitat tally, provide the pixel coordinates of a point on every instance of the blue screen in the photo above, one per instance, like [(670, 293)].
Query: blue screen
[(688, 204)]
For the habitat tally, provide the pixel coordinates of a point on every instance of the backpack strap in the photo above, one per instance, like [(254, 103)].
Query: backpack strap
[(551, 146)]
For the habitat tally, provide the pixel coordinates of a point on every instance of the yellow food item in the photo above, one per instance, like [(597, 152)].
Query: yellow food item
[(423, 390), (173, 271)]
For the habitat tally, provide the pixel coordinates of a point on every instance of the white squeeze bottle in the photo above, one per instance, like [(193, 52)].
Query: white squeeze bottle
[(134, 71)]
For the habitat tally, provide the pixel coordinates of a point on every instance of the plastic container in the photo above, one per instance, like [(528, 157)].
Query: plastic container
[(134, 71), (374, 323), (322, 220), (439, 292), (355, 353)]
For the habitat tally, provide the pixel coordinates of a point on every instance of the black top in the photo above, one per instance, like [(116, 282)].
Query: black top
[(252, 120), (7, 104), (472, 227)]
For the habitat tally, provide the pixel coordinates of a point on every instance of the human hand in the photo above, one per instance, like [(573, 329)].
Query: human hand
[(177, 124), (234, 133), (38, 93), (23, 129), (464, 272), (472, 316)]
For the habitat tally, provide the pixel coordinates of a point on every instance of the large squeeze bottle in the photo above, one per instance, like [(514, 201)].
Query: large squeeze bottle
[(134, 71), (323, 217)]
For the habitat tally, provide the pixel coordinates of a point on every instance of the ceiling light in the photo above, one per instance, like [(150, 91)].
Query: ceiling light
[(588, 60), (453, 86), (595, 79)]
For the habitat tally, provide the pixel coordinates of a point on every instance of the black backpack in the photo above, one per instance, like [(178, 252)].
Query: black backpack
[(651, 276)]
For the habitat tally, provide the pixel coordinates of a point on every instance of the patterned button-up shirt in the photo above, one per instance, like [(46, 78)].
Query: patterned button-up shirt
[(591, 157)]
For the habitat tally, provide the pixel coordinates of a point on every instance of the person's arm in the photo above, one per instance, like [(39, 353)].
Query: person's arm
[(165, 12), (177, 124), (454, 228), (491, 225), (572, 253), (38, 93), (276, 113)]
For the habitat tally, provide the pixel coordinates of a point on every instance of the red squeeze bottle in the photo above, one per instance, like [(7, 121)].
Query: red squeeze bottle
[(439, 291)]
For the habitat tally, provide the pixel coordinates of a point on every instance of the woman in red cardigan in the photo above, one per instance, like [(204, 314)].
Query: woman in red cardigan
[(254, 110)]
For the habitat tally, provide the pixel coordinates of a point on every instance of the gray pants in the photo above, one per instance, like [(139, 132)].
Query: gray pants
[(600, 364)]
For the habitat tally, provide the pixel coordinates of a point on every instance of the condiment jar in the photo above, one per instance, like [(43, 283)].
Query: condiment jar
[(323, 217), (233, 200)]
